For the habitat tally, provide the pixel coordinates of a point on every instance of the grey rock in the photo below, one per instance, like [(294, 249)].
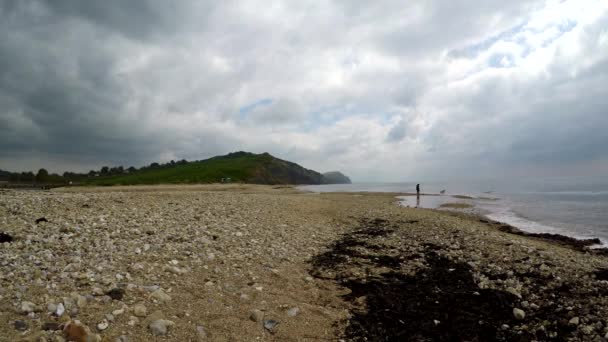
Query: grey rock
[(160, 327), (27, 307), (271, 325)]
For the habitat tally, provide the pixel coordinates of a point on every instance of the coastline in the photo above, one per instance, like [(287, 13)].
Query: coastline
[(227, 254)]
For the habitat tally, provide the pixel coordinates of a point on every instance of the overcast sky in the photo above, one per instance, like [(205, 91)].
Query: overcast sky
[(381, 90)]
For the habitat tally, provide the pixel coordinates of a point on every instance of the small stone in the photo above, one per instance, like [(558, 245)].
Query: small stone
[(504, 327), (81, 301), (175, 270), (256, 315), (118, 312), (271, 325), (574, 321), (60, 310), (133, 321), (586, 329), (27, 307), (20, 325), (110, 317), (519, 313), (293, 312), (513, 291), (51, 307), (122, 338), (160, 296), (202, 333), (140, 310), (160, 327), (96, 291), (103, 325), (116, 293)]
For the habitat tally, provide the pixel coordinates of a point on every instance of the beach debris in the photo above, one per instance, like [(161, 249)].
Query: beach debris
[(5, 237), (271, 325), (42, 219), (256, 315), (20, 325), (519, 313), (116, 293), (160, 327)]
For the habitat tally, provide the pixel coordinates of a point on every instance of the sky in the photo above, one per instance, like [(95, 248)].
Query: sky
[(380, 90)]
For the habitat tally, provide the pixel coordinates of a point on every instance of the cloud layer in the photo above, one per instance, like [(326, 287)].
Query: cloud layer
[(380, 90)]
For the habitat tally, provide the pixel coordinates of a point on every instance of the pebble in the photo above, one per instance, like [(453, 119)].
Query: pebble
[(60, 310), (271, 325), (160, 296), (118, 312), (519, 313), (160, 327), (202, 333), (293, 312), (256, 315), (103, 325), (140, 310), (27, 307), (20, 325), (122, 338), (574, 321), (51, 307)]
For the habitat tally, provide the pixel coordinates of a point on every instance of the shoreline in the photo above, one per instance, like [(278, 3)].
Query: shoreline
[(225, 262)]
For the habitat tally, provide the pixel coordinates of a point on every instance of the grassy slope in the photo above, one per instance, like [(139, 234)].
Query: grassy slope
[(241, 167)]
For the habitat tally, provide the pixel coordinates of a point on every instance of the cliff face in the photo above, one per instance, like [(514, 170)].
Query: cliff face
[(335, 177)]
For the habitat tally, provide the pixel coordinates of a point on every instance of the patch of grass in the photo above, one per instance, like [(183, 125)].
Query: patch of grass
[(456, 205)]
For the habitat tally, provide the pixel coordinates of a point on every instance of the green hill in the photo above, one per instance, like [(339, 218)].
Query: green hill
[(241, 167)]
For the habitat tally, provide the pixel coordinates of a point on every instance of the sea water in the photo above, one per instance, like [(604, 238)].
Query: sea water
[(571, 206)]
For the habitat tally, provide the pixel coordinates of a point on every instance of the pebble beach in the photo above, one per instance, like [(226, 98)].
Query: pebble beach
[(264, 263)]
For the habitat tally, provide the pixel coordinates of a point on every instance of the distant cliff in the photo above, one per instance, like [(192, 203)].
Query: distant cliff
[(335, 177)]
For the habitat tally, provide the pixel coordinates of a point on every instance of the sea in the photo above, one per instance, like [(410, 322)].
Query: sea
[(570, 206)]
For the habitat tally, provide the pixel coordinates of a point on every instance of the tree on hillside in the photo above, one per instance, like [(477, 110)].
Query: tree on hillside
[(131, 169), (42, 176), (105, 170)]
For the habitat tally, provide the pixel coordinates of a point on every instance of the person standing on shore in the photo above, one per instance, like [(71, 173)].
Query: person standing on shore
[(417, 189)]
